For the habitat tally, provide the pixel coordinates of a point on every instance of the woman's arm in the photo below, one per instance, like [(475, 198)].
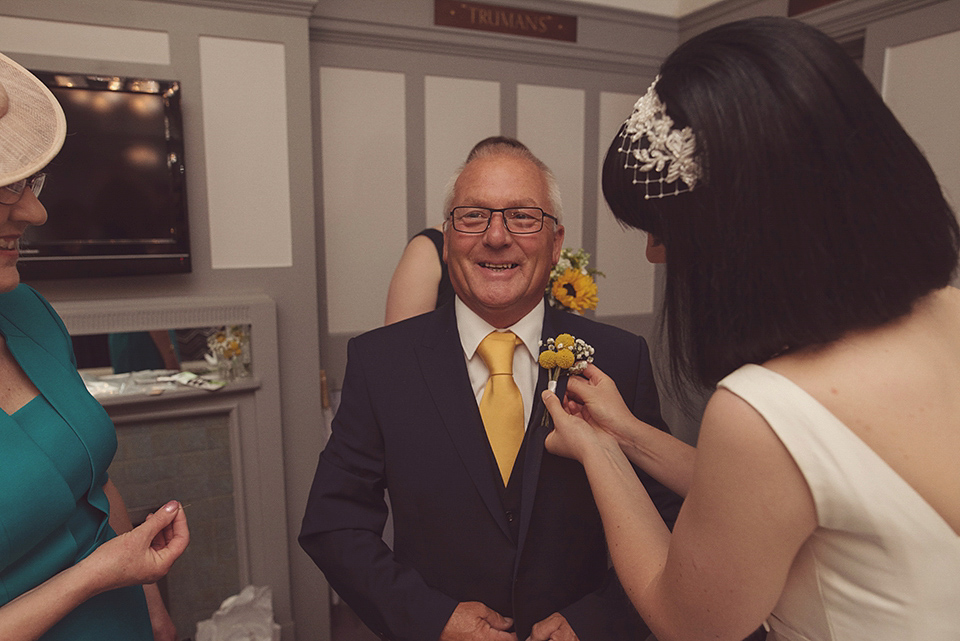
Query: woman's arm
[(143, 555), (164, 344), (413, 288), (747, 512), (163, 626), (664, 457)]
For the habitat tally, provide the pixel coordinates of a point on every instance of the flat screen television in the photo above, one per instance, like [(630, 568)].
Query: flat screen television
[(116, 193)]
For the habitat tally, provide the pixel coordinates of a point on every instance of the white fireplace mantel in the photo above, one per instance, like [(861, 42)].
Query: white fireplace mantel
[(253, 406)]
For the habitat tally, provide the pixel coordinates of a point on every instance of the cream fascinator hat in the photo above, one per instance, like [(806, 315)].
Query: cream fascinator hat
[(32, 124)]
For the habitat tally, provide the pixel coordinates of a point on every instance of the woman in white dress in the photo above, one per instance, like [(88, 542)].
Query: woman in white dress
[(809, 252)]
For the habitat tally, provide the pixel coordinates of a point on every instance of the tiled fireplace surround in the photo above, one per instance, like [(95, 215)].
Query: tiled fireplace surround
[(219, 453)]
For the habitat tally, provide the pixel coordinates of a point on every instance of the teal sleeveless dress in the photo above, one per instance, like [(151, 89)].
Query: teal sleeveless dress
[(54, 455)]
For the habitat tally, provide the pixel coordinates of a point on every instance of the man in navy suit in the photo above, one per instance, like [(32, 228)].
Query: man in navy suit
[(475, 557)]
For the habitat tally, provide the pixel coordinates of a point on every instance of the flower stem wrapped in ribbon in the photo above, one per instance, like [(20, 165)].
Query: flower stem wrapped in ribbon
[(563, 355)]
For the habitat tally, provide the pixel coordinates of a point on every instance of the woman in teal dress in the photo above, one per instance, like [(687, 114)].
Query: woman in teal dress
[(64, 572)]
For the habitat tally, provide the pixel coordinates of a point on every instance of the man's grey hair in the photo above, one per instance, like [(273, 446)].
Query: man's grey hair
[(503, 149)]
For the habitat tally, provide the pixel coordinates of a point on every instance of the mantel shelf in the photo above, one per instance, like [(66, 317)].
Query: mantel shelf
[(177, 396)]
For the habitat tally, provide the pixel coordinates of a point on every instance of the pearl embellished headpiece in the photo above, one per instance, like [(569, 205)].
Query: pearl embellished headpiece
[(662, 158)]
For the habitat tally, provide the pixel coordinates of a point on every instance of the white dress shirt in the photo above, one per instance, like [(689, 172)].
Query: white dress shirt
[(474, 329)]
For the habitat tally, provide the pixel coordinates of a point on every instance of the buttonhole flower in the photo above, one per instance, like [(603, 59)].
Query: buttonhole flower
[(563, 355)]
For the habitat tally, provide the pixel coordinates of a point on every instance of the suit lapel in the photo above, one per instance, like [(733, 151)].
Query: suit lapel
[(445, 372), (537, 432)]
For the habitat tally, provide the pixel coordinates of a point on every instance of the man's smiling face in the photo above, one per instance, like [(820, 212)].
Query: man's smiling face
[(499, 275)]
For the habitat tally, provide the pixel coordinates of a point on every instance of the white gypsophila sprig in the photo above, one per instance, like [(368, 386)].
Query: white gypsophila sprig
[(583, 354)]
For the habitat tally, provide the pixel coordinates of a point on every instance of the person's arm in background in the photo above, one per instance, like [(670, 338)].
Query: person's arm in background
[(142, 555), (163, 627), (413, 287), (164, 343)]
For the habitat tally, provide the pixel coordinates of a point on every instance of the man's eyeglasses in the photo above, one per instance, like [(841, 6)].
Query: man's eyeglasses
[(11, 194), (517, 220)]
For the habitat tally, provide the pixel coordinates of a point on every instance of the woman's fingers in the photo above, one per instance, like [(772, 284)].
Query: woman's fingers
[(157, 522), (167, 531), (551, 402)]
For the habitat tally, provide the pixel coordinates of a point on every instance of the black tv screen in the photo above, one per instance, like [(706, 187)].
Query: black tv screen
[(116, 193)]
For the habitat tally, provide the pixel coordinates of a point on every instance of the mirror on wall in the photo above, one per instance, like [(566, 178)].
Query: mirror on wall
[(143, 362)]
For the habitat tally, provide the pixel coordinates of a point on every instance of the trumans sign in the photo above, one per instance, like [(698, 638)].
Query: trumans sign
[(519, 22)]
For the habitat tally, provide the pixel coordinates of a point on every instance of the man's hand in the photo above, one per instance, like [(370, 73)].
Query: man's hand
[(553, 628), (473, 621)]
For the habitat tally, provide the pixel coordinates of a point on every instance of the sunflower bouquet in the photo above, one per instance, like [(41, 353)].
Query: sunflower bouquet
[(572, 285)]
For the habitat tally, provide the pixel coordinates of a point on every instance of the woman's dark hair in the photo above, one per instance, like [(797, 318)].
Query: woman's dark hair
[(816, 215)]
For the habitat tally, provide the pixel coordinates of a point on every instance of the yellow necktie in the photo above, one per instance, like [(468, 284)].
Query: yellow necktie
[(501, 406)]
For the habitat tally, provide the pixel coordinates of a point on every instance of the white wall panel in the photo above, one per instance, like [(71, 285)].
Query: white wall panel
[(921, 84), (458, 113), (550, 120), (89, 42), (245, 139), (629, 284), (364, 191)]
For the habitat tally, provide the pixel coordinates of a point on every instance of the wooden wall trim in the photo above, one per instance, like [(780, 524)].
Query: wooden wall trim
[(842, 19), (479, 46), (298, 8)]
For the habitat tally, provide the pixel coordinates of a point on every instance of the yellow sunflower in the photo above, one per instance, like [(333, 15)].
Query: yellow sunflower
[(575, 290)]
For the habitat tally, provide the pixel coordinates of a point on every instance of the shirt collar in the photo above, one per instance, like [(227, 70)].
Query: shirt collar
[(474, 329)]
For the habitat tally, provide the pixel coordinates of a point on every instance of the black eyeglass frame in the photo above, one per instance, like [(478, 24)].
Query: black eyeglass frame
[(34, 183), (503, 214)]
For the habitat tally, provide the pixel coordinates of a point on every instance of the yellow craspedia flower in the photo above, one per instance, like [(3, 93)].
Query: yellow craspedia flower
[(564, 340), (548, 359), (565, 358), (575, 290)]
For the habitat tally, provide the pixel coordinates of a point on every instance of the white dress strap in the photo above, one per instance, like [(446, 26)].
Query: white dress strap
[(883, 564)]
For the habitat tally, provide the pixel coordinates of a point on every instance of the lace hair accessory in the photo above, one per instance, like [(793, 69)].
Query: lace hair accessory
[(662, 158)]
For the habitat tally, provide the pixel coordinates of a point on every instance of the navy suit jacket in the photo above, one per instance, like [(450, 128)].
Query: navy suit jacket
[(408, 422)]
